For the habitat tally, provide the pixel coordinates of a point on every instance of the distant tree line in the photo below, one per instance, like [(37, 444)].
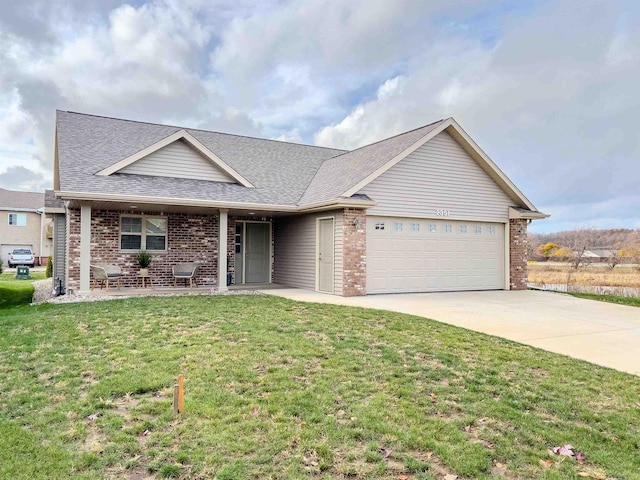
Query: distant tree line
[(573, 246)]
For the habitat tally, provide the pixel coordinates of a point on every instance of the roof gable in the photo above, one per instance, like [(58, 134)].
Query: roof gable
[(169, 157), (178, 160), (439, 175)]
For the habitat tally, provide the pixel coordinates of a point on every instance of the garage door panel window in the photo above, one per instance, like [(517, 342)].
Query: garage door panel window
[(378, 226), (415, 227), (432, 228), (462, 229), (143, 233), (397, 226)]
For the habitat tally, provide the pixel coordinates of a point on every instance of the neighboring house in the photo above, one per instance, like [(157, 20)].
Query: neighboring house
[(601, 253), (23, 224), (422, 211)]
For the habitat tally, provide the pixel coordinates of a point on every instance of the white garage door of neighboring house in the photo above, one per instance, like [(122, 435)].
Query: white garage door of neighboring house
[(421, 255), (6, 249)]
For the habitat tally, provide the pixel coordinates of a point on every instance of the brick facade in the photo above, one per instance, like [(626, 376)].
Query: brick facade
[(354, 267), (518, 254), (190, 238)]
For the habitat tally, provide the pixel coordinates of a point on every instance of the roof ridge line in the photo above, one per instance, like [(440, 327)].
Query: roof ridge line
[(200, 130)]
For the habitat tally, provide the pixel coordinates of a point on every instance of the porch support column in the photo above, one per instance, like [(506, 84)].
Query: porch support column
[(222, 251), (85, 247)]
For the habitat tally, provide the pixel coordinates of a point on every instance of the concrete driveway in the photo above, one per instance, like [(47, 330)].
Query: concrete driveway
[(599, 332)]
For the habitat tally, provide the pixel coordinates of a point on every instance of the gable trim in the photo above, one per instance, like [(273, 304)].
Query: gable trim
[(191, 140), (455, 130)]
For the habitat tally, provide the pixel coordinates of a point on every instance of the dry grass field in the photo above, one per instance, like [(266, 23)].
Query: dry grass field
[(592, 275)]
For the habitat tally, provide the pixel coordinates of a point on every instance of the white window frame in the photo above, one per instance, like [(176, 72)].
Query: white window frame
[(462, 229), (477, 230), (491, 230), (17, 217), (448, 228), (414, 227), (378, 225), (143, 233), (432, 228), (397, 226)]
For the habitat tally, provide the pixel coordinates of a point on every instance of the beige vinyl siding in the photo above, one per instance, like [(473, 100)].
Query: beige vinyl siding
[(59, 247), (439, 175), (178, 160), (295, 250)]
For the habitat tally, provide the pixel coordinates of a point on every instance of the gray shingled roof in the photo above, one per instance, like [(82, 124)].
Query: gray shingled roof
[(338, 174), (12, 199), (280, 171), (283, 173), (50, 200)]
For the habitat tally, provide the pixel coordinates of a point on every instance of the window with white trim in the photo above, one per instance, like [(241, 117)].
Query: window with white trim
[(491, 230), (447, 229), (397, 226), (432, 228), (477, 230), (462, 229), (415, 227), (18, 219), (378, 226), (143, 233)]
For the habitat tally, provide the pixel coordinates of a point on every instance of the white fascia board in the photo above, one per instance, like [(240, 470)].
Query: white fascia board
[(513, 213), (408, 151), (194, 142)]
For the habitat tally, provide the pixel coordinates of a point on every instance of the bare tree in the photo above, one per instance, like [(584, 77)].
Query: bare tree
[(579, 242), (616, 256)]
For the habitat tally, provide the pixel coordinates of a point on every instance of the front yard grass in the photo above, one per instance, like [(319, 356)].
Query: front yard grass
[(631, 301), (16, 292), (280, 389)]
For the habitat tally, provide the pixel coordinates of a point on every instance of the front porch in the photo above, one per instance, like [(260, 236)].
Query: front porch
[(233, 248), (99, 235), (171, 291)]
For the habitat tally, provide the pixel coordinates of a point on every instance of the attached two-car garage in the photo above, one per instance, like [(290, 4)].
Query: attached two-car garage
[(423, 255)]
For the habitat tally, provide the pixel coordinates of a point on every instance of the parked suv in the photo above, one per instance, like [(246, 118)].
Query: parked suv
[(21, 256)]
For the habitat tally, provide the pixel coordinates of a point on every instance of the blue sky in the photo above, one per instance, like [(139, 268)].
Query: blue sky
[(548, 89)]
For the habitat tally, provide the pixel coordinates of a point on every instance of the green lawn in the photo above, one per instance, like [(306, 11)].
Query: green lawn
[(16, 292), (632, 301), (280, 389)]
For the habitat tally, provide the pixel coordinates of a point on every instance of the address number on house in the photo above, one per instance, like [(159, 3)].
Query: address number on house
[(440, 212)]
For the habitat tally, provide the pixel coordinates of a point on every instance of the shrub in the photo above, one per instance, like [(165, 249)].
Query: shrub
[(144, 259), (49, 270), (1, 269)]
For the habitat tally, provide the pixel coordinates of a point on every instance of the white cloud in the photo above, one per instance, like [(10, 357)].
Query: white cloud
[(548, 89)]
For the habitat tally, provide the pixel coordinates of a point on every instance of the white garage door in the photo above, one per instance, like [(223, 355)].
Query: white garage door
[(418, 255)]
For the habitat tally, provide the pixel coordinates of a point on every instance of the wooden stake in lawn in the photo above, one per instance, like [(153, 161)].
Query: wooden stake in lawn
[(180, 393), (178, 396)]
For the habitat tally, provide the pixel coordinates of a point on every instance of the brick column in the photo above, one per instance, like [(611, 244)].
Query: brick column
[(518, 254), (354, 267)]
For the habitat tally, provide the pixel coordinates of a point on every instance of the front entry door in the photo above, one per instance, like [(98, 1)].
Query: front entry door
[(256, 254), (325, 255)]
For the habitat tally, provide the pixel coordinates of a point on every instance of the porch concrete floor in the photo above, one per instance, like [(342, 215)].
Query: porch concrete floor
[(179, 290)]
